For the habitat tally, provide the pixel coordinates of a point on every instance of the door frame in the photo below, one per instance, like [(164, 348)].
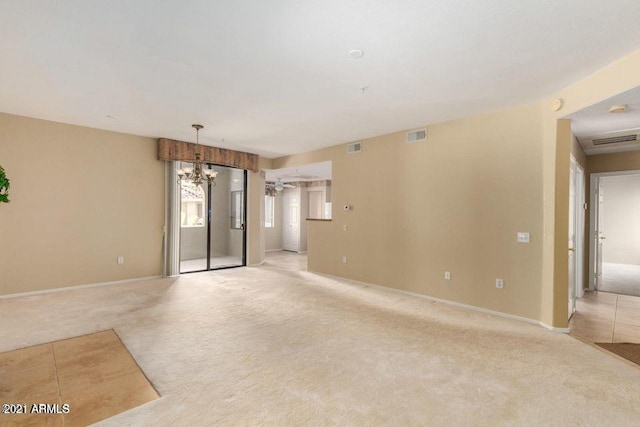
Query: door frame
[(576, 259), (594, 182), (580, 217)]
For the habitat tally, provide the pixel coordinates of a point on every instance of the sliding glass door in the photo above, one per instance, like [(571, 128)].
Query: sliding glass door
[(212, 222)]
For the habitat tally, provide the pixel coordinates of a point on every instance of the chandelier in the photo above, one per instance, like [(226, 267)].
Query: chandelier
[(196, 174)]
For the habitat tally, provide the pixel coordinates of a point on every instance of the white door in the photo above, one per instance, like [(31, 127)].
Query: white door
[(580, 218), (572, 239), (599, 233), (291, 221)]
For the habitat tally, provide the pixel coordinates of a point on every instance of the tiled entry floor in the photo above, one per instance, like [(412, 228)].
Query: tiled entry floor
[(606, 317), (94, 374)]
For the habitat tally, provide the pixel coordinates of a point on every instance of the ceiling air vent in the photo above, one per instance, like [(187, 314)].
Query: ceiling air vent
[(416, 136), (615, 139), (354, 147)]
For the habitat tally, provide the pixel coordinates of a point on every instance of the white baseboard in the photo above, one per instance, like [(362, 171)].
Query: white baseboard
[(449, 302), (71, 288), (274, 250), (551, 328)]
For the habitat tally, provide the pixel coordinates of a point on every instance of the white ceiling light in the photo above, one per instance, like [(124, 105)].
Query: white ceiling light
[(356, 53), (621, 108)]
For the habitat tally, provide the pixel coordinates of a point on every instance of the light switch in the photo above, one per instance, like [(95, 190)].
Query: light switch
[(523, 237)]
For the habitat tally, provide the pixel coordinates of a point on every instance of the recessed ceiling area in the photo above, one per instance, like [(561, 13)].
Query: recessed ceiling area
[(600, 131), (311, 172), (276, 77)]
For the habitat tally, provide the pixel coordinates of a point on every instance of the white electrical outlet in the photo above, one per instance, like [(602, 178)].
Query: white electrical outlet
[(120, 260), (447, 275), (499, 283), (344, 259), (344, 227), (523, 237)]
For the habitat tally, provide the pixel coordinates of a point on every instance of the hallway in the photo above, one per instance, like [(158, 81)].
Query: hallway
[(603, 317)]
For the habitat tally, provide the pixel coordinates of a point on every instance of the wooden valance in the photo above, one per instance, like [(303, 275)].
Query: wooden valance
[(169, 149)]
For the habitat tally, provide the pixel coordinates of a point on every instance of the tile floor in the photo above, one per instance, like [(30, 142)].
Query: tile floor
[(94, 374), (607, 317)]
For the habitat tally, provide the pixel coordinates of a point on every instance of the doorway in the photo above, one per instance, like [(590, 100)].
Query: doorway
[(615, 233), (293, 197), (212, 221)]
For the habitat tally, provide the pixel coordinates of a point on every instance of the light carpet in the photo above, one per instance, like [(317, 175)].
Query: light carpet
[(269, 346), (620, 279)]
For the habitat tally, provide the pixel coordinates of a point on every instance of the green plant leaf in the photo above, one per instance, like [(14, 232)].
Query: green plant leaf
[(4, 186)]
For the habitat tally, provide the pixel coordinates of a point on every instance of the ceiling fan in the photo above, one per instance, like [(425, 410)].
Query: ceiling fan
[(279, 185)]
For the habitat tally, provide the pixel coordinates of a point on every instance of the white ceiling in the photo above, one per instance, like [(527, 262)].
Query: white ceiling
[(274, 76), (310, 172), (596, 121)]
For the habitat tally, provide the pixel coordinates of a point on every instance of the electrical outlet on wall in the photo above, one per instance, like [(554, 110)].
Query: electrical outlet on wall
[(447, 275), (344, 259), (499, 283), (120, 260)]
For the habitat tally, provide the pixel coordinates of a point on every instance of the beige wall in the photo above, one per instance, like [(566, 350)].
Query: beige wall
[(255, 214), (452, 203), (80, 198), (614, 162), (564, 138)]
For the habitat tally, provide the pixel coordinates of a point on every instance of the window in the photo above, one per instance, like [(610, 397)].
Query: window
[(269, 212), (237, 207), (192, 206)]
